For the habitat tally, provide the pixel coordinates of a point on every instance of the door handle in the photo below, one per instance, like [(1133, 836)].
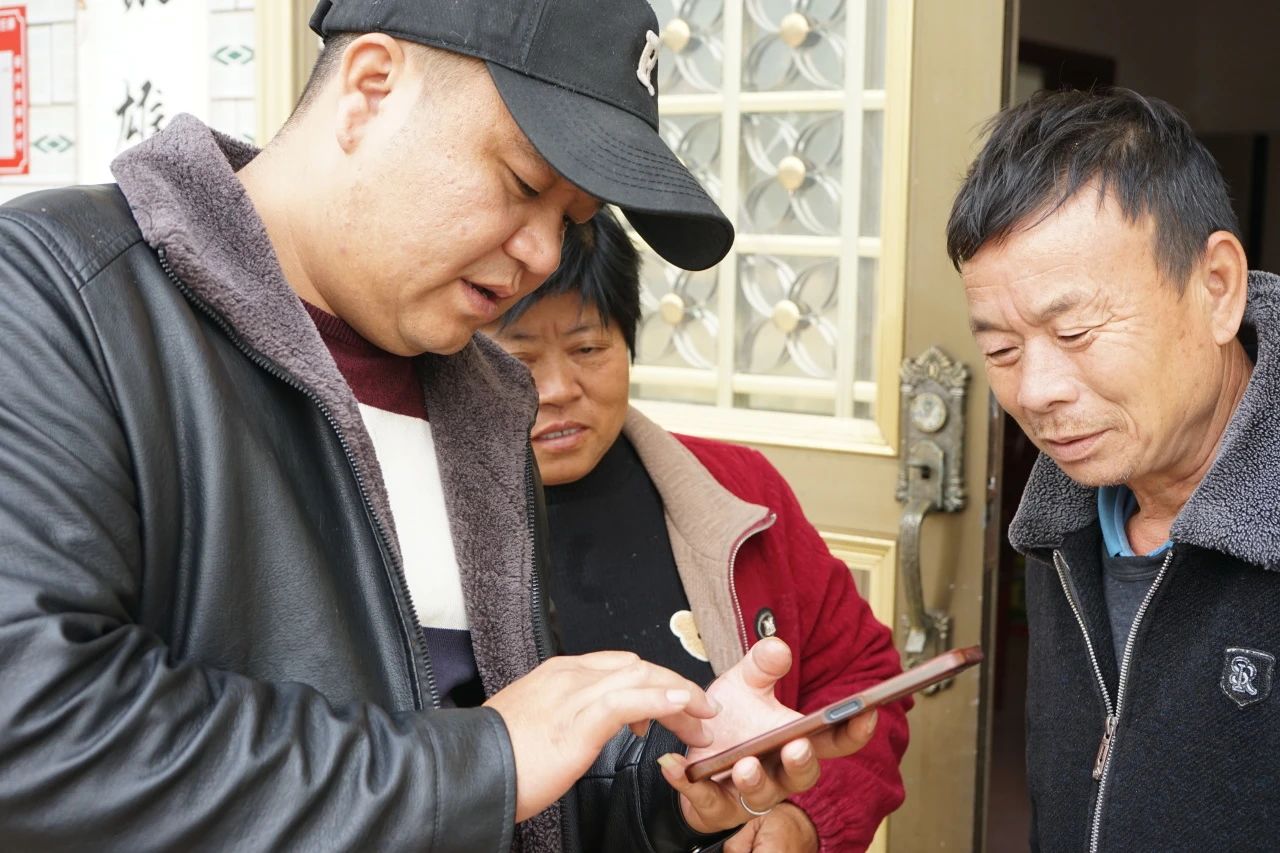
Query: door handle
[(930, 479)]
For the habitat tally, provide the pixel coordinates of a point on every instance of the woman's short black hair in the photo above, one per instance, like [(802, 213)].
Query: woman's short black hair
[(1139, 150), (599, 264)]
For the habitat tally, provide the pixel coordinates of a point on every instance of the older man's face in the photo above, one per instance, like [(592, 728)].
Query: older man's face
[(1090, 348)]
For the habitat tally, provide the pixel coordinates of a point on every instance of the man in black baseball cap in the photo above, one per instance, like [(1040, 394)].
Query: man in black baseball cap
[(578, 77), (271, 536)]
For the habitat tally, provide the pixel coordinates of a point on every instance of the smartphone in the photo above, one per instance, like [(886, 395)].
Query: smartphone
[(944, 666)]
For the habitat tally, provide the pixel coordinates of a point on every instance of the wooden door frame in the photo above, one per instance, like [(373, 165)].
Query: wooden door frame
[(994, 513)]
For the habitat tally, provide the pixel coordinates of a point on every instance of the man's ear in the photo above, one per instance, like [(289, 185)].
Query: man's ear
[(1226, 283), (372, 66)]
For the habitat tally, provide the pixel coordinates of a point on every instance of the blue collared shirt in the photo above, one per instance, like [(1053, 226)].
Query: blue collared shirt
[(1115, 505)]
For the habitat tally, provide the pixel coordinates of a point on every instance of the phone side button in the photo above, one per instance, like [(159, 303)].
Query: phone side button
[(843, 711)]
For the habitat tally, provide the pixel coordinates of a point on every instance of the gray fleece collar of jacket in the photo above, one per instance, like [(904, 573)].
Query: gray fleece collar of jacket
[(1236, 508)]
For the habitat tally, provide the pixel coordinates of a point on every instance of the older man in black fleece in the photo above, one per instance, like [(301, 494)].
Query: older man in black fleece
[(1120, 326)]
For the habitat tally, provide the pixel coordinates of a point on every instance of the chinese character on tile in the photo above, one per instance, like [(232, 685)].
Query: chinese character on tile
[(141, 113)]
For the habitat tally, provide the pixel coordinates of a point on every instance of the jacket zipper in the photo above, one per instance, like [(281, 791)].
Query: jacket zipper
[(758, 527), (389, 560), (535, 583), (535, 601), (1106, 747)]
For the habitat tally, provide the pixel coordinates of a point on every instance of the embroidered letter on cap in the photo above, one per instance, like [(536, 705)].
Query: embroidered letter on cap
[(1246, 676), (648, 60)]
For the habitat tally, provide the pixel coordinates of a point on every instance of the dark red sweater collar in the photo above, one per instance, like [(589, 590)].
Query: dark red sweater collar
[(378, 378)]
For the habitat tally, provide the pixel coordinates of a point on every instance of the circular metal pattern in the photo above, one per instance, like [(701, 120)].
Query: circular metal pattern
[(928, 412), (789, 316), (791, 184), (692, 56), (786, 316), (794, 44), (791, 173), (794, 29), (693, 341), (676, 35), (671, 307)]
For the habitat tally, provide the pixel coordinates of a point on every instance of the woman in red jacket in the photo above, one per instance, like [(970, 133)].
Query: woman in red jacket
[(687, 551)]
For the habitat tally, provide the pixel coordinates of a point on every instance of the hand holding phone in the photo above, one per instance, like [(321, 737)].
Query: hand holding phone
[(944, 666)]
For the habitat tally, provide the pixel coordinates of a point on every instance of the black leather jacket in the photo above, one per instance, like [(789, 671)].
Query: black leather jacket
[(205, 636)]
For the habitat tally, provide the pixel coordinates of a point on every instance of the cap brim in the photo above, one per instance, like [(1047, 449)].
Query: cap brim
[(617, 157)]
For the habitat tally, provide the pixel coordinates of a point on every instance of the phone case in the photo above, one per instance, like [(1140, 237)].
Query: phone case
[(944, 666)]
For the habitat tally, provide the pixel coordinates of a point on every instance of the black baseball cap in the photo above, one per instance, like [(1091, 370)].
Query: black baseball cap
[(580, 79)]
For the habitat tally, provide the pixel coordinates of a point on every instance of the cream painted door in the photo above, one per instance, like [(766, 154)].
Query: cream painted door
[(834, 133)]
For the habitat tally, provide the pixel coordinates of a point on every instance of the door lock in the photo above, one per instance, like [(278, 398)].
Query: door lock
[(930, 479)]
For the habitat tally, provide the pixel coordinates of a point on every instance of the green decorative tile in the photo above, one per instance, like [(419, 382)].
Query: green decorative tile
[(233, 54), (58, 144)]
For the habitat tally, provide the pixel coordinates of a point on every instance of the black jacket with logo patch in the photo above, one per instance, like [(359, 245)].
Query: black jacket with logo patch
[(1195, 721)]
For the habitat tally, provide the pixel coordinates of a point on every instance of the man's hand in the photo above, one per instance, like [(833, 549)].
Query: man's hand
[(748, 708), (786, 829), (561, 715)]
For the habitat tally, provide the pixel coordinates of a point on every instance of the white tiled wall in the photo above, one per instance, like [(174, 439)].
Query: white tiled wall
[(232, 81), (40, 63), (51, 50), (50, 11), (52, 41), (63, 67)]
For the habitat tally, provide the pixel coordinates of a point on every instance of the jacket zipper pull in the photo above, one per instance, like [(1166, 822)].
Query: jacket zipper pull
[(1104, 748)]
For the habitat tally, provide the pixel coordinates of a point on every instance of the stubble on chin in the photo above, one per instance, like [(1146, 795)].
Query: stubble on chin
[(1098, 473)]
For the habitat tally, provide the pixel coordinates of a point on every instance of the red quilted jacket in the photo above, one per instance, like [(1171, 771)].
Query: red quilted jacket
[(839, 646)]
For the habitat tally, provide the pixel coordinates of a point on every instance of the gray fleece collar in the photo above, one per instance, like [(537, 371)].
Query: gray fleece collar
[(182, 189), (1236, 508)]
